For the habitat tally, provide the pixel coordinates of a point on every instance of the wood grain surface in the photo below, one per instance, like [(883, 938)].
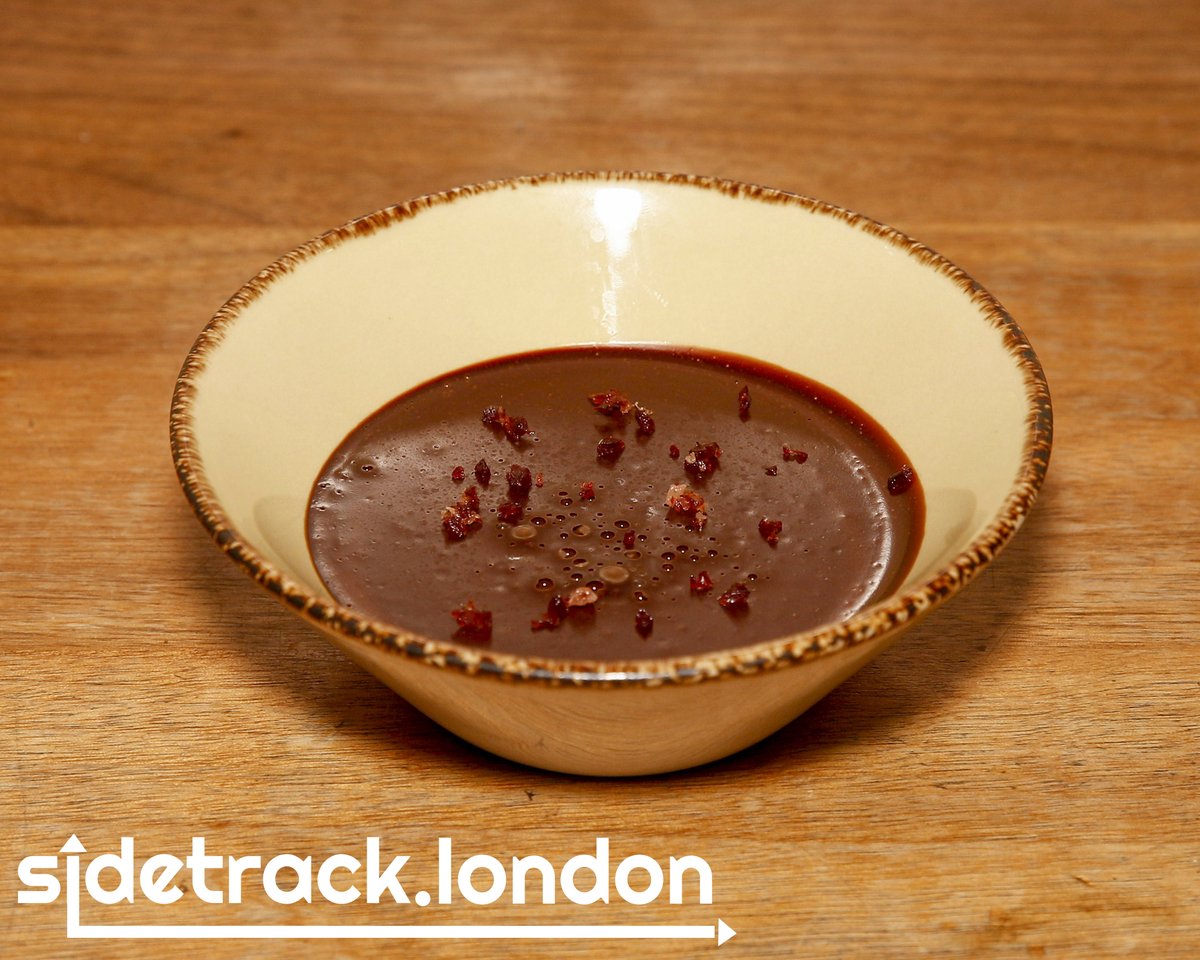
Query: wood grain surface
[(1019, 777)]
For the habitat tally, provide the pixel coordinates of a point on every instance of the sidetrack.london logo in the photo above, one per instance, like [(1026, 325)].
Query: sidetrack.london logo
[(112, 878)]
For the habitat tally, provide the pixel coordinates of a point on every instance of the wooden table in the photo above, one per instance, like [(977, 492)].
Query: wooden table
[(1018, 778)]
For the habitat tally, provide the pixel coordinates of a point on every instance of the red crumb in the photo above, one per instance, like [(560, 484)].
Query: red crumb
[(556, 611), (770, 530), (645, 421), (474, 625), (789, 454), (582, 597), (702, 460), (614, 404), (736, 598), (643, 622), (587, 491), (463, 516), (520, 480), (611, 403), (483, 473), (610, 449), (744, 403), (629, 541), (772, 471), (700, 582), (514, 428), (900, 482), (673, 452), (457, 474), (685, 501), (538, 480), (509, 512)]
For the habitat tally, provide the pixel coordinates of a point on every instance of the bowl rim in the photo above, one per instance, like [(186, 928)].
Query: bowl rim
[(876, 621)]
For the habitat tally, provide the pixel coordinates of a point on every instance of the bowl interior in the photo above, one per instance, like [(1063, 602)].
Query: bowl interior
[(333, 331)]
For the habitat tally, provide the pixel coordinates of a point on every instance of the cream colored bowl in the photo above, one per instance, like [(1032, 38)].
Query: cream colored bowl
[(333, 330)]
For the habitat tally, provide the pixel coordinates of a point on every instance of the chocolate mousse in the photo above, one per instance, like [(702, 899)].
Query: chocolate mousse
[(615, 503)]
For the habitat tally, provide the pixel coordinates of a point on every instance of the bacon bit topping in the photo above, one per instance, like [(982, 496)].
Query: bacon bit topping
[(685, 501), (474, 625), (463, 517), (610, 449), (700, 582), (629, 541), (772, 471), (643, 622), (702, 460), (614, 404), (556, 612), (538, 480), (582, 597), (673, 452), (744, 403), (645, 421), (736, 598), (611, 403), (790, 454), (483, 473), (770, 530), (457, 474), (520, 480), (514, 428), (900, 482), (510, 512), (587, 491)]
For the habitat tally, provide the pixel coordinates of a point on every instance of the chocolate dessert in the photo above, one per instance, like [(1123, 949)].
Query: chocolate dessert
[(615, 503)]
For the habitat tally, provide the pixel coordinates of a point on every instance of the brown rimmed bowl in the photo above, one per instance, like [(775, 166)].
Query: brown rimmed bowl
[(333, 330)]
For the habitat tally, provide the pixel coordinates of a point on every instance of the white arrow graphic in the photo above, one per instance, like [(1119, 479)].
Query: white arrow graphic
[(720, 932)]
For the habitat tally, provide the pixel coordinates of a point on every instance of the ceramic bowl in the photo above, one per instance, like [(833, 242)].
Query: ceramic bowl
[(333, 330)]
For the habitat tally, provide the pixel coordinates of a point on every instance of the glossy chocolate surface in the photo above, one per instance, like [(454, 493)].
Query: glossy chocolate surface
[(796, 526)]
